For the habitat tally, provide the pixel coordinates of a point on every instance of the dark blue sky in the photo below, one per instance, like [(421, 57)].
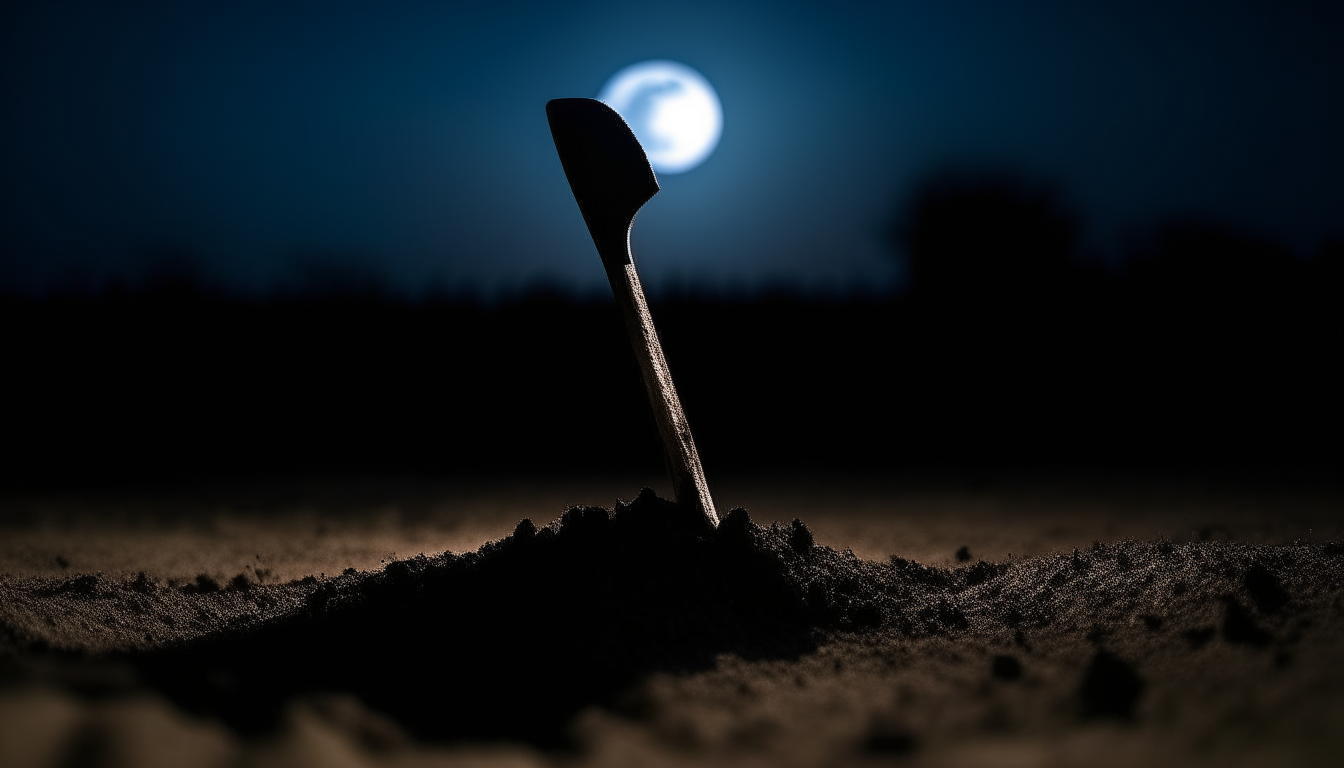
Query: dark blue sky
[(408, 142)]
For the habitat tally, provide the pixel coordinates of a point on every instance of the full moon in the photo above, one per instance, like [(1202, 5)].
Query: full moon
[(672, 109)]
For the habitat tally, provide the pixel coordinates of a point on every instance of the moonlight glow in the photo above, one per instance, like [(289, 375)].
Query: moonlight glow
[(672, 109)]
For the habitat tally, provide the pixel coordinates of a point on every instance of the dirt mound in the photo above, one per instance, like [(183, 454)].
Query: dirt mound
[(512, 640)]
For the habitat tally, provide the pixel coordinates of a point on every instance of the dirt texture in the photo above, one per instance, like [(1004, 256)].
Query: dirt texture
[(640, 635)]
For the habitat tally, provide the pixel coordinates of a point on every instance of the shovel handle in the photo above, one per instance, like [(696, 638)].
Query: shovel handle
[(688, 478)]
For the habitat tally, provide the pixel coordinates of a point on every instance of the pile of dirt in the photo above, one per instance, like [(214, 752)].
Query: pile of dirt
[(511, 641)]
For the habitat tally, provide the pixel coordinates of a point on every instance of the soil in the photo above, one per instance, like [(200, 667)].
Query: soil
[(638, 635)]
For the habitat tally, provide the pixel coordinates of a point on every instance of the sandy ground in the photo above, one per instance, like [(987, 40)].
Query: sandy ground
[(1206, 692)]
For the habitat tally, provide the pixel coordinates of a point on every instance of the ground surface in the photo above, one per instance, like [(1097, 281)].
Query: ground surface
[(1113, 621)]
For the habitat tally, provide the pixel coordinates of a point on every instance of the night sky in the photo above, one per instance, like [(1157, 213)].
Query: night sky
[(268, 146)]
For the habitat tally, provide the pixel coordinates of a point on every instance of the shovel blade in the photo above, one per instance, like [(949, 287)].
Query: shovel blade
[(607, 169)]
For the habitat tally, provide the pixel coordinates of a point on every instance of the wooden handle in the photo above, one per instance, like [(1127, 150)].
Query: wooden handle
[(688, 478)]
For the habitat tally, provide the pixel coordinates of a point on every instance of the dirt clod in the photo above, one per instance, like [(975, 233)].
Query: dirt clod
[(1006, 667), (1265, 589), (1111, 687)]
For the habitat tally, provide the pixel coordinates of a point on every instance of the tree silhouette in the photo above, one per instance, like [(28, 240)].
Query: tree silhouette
[(983, 234)]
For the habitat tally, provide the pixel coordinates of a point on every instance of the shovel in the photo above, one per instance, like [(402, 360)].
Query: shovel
[(611, 179)]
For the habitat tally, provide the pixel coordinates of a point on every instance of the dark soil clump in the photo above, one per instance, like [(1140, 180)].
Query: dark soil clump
[(1111, 688), (890, 740), (1265, 589), (1239, 626), (1006, 667)]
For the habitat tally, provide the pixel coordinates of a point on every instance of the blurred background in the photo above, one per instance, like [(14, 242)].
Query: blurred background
[(252, 240)]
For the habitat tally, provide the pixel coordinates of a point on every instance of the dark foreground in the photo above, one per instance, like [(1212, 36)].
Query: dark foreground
[(637, 635)]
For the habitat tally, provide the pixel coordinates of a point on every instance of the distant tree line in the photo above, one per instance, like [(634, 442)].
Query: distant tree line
[(1204, 348)]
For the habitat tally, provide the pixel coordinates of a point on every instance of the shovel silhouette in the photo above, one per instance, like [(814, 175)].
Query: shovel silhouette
[(611, 179)]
